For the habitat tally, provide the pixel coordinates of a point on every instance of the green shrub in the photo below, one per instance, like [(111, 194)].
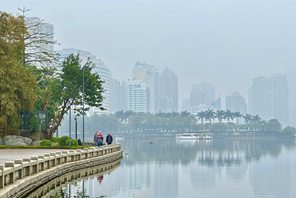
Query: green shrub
[(55, 144), (63, 141), (46, 143), (73, 142), (55, 139)]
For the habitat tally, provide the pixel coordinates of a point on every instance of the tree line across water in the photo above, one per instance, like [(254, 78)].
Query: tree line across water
[(204, 121)]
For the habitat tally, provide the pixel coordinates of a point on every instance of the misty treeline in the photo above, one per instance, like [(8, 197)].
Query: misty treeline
[(205, 121), (36, 90)]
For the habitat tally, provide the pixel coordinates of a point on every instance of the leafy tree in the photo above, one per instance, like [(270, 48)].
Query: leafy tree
[(17, 83), (273, 125), (289, 131), (67, 91)]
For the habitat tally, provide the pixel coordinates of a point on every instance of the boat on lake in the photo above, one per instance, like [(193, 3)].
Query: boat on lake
[(194, 136)]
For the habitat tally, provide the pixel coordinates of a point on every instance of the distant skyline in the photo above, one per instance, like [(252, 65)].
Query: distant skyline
[(226, 43)]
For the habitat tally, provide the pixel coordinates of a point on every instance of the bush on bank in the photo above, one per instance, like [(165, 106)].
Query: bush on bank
[(59, 142)]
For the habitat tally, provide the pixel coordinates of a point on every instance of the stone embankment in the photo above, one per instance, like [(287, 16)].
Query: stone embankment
[(20, 177)]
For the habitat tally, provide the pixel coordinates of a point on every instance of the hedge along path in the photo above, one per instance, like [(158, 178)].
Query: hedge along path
[(22, 176)]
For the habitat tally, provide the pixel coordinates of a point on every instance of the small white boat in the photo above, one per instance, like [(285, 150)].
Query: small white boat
[(186, 136), (194, 136)]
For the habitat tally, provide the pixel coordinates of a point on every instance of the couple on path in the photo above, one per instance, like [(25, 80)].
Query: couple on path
[(99, 139)]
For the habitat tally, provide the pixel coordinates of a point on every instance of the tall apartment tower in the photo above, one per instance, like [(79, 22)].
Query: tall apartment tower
[(236, 103), (201, 97), (269, 98), (138, 95), (118, 96), (147, 73), (167, 97), (105, 74)]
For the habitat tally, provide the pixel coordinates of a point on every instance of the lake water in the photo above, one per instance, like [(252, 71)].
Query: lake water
[(166, 168)]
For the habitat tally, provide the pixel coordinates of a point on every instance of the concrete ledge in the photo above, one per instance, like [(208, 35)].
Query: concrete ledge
[(20, 177)]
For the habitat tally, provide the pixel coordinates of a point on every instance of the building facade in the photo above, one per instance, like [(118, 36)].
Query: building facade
[(269, 98), (201, 97), (236, 103), (148, 74), (138, 95), (167, 97)]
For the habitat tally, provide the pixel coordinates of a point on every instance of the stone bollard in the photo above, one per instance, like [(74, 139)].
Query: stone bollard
[(54, 162), (65, 156), (11, 177), (28, 170), (21, 171), (1, 176)]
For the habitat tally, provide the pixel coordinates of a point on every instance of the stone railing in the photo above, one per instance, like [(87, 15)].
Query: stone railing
[(21, 176)]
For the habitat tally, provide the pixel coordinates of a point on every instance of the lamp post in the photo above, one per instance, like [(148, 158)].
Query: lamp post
[(83, 104), (70, 125), (75, 118)]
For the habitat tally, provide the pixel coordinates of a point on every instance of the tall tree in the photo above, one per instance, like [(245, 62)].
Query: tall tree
[(17, 83), (77, 87), (39, 42)]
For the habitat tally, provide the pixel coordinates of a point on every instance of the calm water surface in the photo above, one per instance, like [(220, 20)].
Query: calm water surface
[(164, 167)]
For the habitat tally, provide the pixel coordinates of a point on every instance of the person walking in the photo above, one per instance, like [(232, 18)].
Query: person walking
[(98, 138), (109, 139)]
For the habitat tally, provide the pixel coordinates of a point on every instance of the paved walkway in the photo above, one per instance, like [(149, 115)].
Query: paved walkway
[(14, 154)]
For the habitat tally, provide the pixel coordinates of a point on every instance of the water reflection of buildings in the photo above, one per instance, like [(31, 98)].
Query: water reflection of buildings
[(170, 169), (270, 177), (166, 181)]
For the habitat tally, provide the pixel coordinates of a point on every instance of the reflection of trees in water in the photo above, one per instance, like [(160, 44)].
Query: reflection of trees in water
[(162, 150), (225, 152), (233, 152), (61, 186)]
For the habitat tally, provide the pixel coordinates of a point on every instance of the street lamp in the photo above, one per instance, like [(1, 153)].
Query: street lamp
[(83, 104), (75, 118)]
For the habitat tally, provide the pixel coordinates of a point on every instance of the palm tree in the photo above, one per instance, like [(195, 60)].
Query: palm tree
[(237, 115), (228, 115), (248, 118), (220, 114), (256, 119), (209, 115), (201, 116)]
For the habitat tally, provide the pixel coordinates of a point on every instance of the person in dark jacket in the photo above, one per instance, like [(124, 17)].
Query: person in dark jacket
[(109, 139)]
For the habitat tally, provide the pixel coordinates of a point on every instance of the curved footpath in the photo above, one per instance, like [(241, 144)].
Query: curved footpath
[(20, 177)]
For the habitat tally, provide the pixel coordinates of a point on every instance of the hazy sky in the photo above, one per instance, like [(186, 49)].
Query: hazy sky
[(223, 42)]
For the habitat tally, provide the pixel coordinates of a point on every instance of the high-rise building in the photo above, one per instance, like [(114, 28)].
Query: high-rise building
[(269, 98), (147, 73), (117, 96), (202, 96), (186, 104), (280, 98), (105, 75), (168, 92), (291, 77), (236, 103), (138, 96)]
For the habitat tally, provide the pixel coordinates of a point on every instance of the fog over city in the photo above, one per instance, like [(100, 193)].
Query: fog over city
[(226, 43)]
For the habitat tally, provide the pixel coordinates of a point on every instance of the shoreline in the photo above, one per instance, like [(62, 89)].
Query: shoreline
[(23, 176)]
